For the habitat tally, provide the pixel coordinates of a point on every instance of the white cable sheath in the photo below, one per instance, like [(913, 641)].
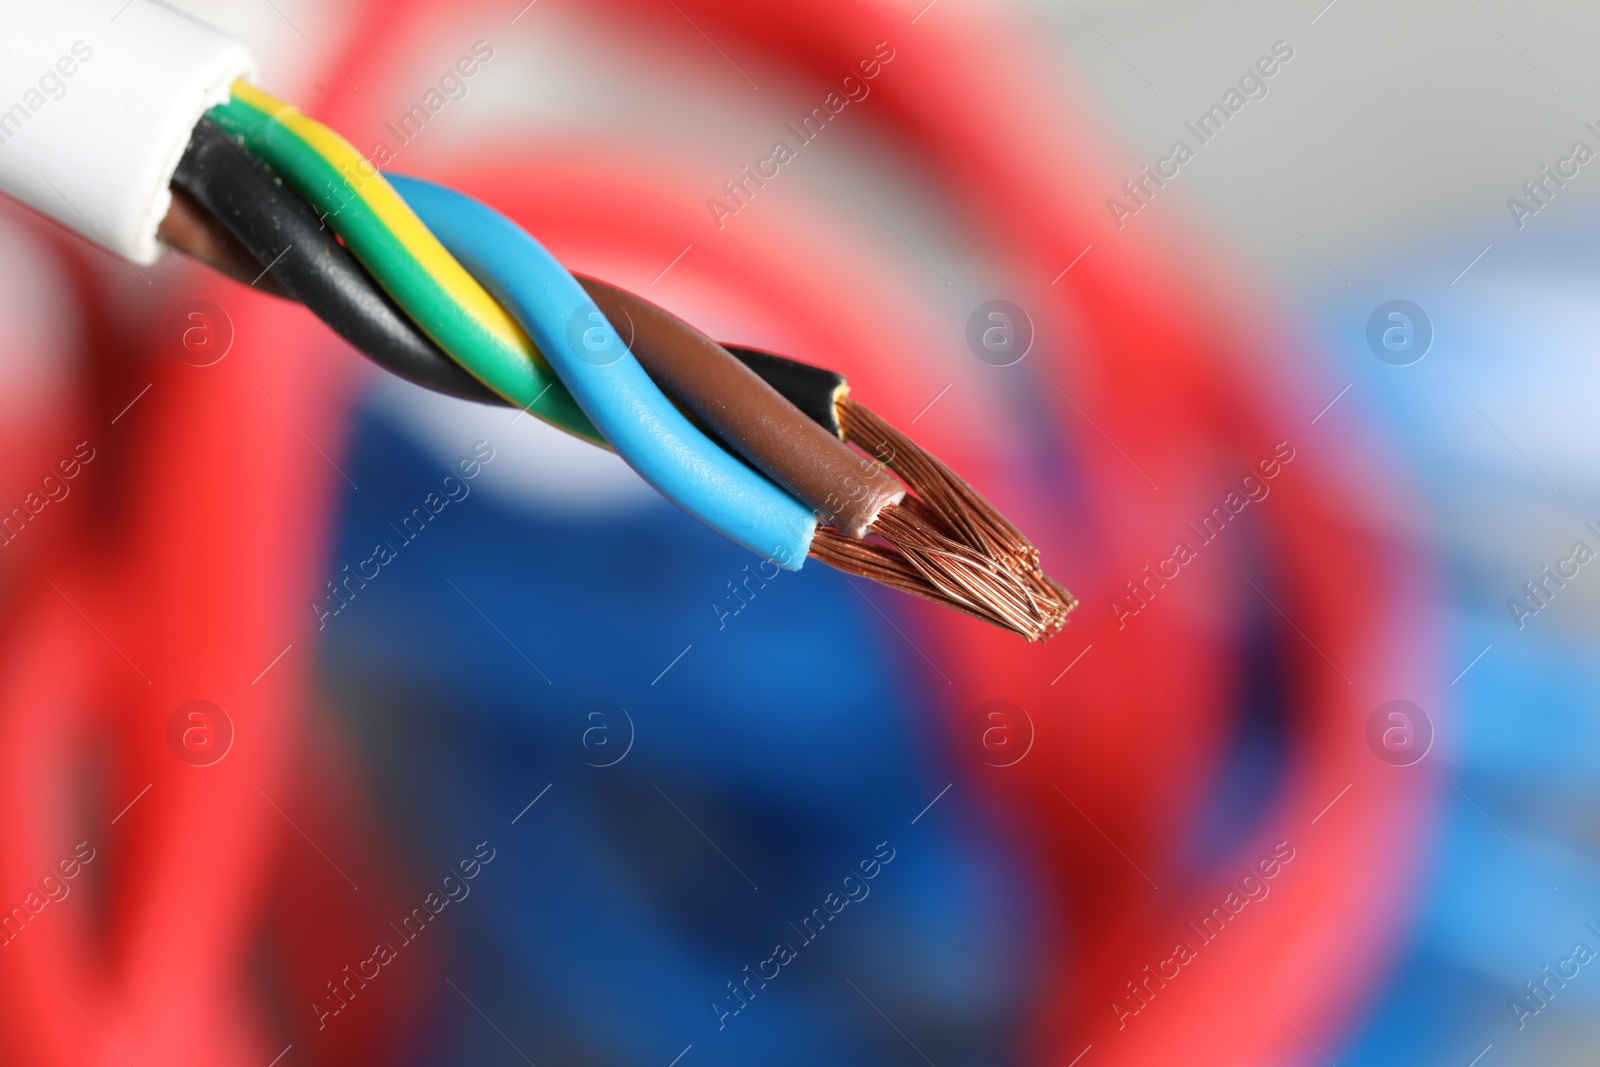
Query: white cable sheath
[(97, 101)]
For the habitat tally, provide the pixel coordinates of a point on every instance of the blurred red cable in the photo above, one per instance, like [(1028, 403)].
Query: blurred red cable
[(211, 510), (1134, 735)]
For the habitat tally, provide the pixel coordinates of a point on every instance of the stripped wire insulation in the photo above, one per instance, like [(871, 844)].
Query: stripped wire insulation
[(794, 423), (946, 543)]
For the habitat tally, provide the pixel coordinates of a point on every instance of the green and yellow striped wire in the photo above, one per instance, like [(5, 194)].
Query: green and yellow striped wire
[(404, 256)]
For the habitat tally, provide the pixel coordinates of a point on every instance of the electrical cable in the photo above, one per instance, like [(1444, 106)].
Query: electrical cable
[(281, 232), (608, 382), (124, 89), (947, 545), (400, 252)]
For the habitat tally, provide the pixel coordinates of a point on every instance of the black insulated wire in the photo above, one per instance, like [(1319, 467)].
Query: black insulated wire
[(287, 237), (811, 389)]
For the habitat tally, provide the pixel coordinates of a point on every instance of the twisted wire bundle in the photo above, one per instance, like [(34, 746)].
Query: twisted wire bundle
[(448, 293)]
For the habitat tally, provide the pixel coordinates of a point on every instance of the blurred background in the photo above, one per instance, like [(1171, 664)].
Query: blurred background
[(1319, 788)]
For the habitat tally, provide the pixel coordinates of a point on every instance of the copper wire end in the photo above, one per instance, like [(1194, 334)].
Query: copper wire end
[(943, 542)]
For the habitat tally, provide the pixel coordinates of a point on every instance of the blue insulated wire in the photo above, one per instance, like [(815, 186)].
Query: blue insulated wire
[(607, 381)]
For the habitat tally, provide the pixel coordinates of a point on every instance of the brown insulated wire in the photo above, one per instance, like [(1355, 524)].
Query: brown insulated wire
[(945, 544), (845, 489), (191, 230)]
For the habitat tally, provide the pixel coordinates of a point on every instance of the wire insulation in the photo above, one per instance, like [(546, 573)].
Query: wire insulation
[(282, 234), (123, 96), (401, 253)]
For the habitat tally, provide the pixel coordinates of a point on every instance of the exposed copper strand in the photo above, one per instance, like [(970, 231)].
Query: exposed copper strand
[(943, 542)]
